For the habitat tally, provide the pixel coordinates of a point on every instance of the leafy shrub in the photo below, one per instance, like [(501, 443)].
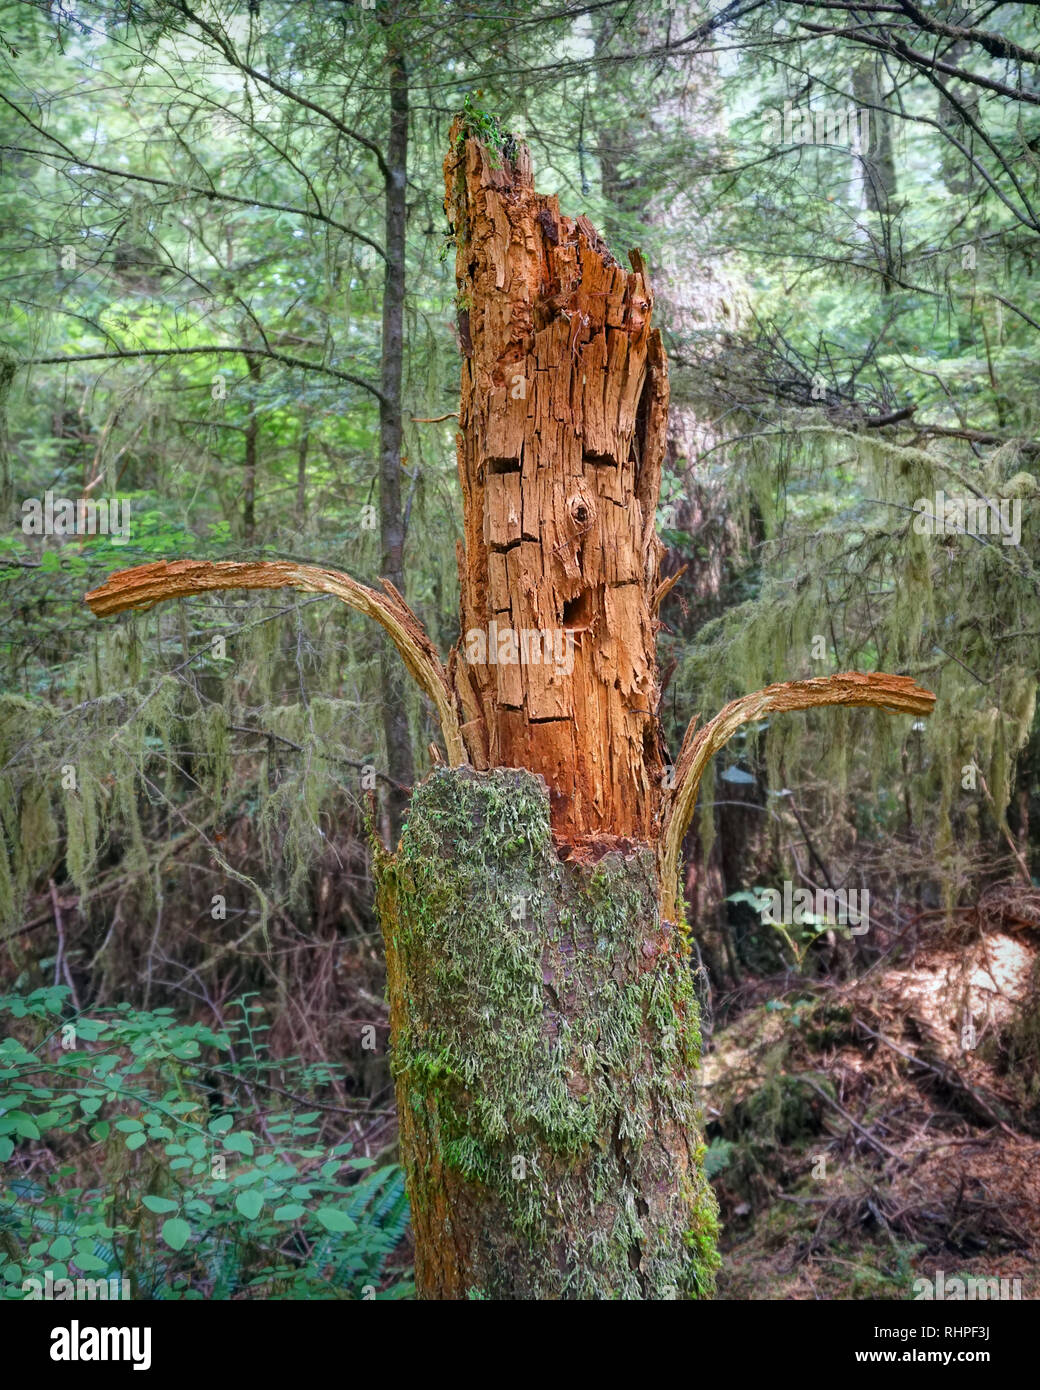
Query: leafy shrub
[(123, 1160)]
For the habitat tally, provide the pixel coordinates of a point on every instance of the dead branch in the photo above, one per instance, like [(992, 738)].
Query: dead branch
[(897, 693), (147, 584)]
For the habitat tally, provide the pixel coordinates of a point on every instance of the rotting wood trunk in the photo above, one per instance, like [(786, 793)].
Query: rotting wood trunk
[(252, 438), (562, 429), (544, 1029)]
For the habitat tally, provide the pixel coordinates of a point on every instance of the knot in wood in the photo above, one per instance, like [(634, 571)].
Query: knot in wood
[(582, 510)]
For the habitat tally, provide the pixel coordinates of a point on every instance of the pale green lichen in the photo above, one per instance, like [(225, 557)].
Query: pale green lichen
[(847, 565)]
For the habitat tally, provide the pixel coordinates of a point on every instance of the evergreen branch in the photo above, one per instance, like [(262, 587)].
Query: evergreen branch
[(213, 194), (223, 43), (209, 349)]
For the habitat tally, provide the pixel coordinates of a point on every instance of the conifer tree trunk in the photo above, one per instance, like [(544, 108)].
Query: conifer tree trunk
[(545, 1047), (544, 1031)]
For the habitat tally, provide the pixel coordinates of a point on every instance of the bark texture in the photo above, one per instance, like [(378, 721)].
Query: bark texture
[(562, 429), (545, 1047), (396, 732)]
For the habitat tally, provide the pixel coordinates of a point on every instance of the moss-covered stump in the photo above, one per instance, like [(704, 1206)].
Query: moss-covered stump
[(545, 1042)]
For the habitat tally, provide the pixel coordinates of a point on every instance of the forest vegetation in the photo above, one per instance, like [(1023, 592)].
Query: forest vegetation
[(237, 301)]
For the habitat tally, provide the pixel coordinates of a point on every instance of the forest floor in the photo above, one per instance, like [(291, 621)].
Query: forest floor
[(863, 1137)]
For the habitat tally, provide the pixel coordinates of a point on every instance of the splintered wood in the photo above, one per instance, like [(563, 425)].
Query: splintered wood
[(562, 429), (564, 404)]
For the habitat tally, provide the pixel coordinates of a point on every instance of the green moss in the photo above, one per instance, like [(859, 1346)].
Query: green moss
[(547, 1035)]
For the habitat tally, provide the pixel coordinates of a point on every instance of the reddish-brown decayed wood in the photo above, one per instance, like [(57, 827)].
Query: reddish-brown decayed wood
[(564, 400)]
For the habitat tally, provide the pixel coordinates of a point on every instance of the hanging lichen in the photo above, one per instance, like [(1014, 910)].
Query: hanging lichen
[(849, 582)]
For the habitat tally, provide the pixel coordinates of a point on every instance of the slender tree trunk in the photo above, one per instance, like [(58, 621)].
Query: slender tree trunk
[(252, 439), (400, 765), (958, 174), (302, 450), (877, 158)]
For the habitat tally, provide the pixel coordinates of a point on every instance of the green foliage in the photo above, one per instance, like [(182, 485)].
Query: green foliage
[(135, 1146), (717, 1157), (797, 936), (485, 127)]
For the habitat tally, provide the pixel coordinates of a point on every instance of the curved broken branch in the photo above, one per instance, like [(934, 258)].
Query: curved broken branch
[(897, 693), (147, 584)]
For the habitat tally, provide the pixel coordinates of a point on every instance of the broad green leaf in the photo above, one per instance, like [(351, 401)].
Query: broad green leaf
[(89, 1262), (176, 1233), (336, 1221), (250, 1204), (160, 1205)]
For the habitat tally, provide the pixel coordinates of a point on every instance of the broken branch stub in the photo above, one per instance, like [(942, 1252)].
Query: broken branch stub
[(897, 693), (148, 584)]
